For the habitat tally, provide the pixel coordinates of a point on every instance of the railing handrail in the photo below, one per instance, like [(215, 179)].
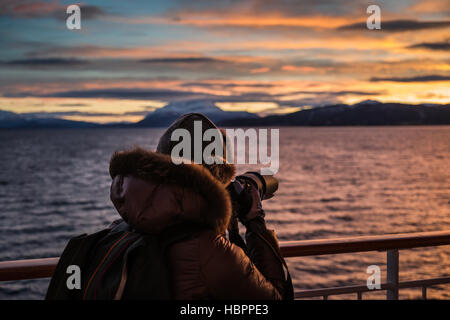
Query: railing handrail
[(27, 269), (309, 293), (364, 243), (43, 268)]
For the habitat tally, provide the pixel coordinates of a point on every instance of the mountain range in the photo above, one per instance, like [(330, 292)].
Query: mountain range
[(365, 113), (11, 120)]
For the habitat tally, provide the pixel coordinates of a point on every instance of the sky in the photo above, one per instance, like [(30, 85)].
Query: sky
[(263, 56)]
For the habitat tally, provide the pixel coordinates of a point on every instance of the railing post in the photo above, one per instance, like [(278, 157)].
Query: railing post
[(392, 274), (424, 293)]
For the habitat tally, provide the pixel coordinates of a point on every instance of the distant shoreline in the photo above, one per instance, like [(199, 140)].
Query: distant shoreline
[(365, 113), (271, 126)]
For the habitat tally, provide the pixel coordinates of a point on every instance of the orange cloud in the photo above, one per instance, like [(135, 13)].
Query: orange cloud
[(298, 68), (30, 9), (431, 6), (260, 70), (216, 19)]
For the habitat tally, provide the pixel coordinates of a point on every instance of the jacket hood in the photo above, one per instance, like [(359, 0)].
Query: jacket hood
[(151, 193), (222, 171)]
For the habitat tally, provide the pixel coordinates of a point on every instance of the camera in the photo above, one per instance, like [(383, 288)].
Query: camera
[(240, 188)]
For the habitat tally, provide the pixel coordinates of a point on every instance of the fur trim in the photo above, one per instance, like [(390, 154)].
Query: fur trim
[(223, 172), (159, 168)]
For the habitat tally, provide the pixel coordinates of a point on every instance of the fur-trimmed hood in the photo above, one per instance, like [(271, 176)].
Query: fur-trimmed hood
[(150, 192), (224, 170)]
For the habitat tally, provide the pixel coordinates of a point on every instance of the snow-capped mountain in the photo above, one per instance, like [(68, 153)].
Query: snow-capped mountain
[(165, 116)]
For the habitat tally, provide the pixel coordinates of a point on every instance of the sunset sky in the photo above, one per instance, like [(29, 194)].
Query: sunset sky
[(263, 56)]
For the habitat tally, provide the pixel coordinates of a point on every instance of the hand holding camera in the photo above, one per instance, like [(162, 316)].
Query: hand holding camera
[(247, 191)]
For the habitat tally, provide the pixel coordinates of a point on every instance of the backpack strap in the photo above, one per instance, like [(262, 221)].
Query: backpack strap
[(77, 253), (104, 261), (234, 236), (170, 236)]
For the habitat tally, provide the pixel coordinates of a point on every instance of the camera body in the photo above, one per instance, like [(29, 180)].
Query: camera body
[(240, 189)]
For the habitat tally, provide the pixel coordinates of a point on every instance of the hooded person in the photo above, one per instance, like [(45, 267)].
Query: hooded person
[(189, 202)]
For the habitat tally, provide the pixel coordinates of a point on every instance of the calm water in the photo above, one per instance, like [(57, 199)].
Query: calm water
[(334, 182)]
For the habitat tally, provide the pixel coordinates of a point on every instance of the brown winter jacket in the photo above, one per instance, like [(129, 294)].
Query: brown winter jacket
[(151, 193)]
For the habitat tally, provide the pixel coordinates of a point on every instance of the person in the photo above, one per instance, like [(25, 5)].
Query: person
[(189, 202)]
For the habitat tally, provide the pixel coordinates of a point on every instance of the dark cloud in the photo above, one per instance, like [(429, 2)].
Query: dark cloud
[(41, 9), (138, 113), (333, 93), (73, 105), (227, 85), (88, 12), (399, 25), (182, 60), (68, 113), (46, 62), (164, 66), (124, 94), (156, 94), (308, 7), (313, 97), (444, 46), (414, 79), (92, 12), (59, 114)]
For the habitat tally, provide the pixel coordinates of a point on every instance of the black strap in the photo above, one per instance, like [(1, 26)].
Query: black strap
[(234, 236), (289, 288)]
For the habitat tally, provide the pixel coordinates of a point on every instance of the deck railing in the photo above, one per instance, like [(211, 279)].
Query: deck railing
[(43, 268)]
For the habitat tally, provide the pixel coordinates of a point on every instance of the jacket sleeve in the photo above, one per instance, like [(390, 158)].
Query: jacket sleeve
[(230, 274), (264, 251), (262, 245)]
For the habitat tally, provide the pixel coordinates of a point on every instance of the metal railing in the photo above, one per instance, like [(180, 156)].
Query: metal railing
[(43, 268)]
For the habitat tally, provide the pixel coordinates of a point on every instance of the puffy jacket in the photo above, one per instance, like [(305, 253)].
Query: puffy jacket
[(151, 194)]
